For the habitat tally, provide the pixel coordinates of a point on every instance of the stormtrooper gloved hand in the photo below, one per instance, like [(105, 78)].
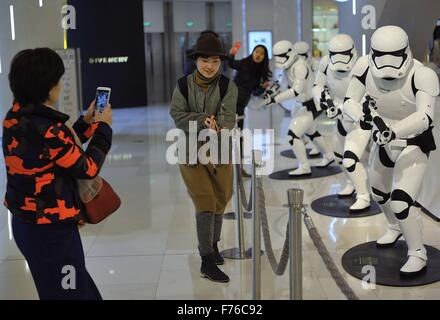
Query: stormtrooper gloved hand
[(333, 112), (328, 105), (369, 109), (268, 100), (382, 138)]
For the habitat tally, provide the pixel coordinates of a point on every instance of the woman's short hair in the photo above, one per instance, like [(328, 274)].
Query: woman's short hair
[(33, 74)]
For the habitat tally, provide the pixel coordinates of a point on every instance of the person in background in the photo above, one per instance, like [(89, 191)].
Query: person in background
[(252, 77), (43, 163), (209, 185), (190, 64)]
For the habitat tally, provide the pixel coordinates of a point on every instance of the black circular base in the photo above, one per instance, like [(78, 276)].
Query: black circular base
[(232, 215), (234, 254), (333, 206), (289, 154), (316, 173), (387, 263)]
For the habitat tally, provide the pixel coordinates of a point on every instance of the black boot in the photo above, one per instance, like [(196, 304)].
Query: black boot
[(205, 232), (218, 222), (219, 260), (210, 270)]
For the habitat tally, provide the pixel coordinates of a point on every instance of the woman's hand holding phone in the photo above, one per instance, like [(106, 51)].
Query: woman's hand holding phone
[(105, 116), (89, 115)]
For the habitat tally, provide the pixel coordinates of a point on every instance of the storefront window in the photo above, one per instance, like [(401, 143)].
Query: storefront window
[(325, 25)]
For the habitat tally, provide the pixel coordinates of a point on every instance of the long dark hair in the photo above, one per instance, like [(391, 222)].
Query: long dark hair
[(263, 69)]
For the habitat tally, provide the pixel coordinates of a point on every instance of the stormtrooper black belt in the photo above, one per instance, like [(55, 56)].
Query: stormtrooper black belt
[(424, 141)]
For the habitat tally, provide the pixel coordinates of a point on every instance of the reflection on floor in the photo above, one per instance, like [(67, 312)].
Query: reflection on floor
[(147, 250)]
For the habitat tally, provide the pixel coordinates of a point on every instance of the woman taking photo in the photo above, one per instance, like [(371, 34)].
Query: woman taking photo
[(208, 99), (252, 77), (43, 163)]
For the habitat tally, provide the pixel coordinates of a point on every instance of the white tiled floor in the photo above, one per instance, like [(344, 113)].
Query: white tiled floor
[(148, 249)]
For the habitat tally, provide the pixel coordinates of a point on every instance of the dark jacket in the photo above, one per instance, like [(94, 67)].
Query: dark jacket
[(248, 77), (248, 81), (43, 162)]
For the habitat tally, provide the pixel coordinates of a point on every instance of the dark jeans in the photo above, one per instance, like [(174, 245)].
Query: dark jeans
[(50, 248)]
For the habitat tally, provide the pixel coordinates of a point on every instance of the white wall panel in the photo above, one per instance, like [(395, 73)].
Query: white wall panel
[(153, 13), (35, 26), (184, 12)]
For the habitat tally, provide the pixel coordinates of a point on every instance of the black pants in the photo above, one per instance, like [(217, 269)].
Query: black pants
[(55, 257)]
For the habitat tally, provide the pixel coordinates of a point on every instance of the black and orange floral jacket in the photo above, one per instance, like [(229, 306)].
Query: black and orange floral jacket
[(43, 162)]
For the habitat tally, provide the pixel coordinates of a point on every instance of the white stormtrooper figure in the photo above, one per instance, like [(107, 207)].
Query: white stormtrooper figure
[(302, 48), (331, 83), (301, 83), (401, 119)]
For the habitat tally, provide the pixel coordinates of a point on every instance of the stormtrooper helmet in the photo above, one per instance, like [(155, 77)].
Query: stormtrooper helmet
[(390, 55), (284, 54), (342, 53), (302, 48)]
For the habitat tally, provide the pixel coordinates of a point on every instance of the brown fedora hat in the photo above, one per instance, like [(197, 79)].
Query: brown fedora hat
[(208, 45)]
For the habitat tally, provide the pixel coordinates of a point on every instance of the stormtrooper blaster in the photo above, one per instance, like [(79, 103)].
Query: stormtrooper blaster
[(328, 105), (384, 134), (370, 114), (270, 94)]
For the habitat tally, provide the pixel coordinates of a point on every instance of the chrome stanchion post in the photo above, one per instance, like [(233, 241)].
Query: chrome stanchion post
[(239, 213), (235, 195), (295, 199), (240, 252), (271, 118), (256, 247), (236, 199)]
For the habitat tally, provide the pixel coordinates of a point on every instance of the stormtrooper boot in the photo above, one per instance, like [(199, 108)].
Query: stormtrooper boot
[(393, 233), (299, 150), (314, 151), (359, 179), (362, 202), (328, 157), (347, 191), (417, 257), (302, 170)]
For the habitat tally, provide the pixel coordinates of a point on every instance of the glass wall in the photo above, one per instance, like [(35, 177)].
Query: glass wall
[(325, 25)]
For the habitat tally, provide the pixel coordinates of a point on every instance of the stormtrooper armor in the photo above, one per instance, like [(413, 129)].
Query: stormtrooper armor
[(400, 94), (331, 83), (302, 48), (301, 82)]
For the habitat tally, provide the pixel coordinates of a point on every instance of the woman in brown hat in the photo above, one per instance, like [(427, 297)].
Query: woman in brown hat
[(209, 100)]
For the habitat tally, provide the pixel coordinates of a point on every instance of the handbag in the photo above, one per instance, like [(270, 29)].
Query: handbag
[(103, 204), (98, 197)]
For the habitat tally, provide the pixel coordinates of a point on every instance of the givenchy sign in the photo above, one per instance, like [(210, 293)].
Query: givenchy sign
[(108, 60)]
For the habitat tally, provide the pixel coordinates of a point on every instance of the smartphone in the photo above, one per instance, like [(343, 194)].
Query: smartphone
[(102, 98)]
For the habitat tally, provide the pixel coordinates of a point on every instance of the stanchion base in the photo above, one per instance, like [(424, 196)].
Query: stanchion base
[(289, 154), (232, 215), (334, 206), (234, 254), (271, 144), (316, 173), (387, 263)]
